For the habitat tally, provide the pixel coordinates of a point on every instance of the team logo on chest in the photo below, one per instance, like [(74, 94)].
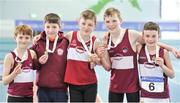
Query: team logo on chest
[(60, 51), (30, 64), (73, 43), (124, 49)]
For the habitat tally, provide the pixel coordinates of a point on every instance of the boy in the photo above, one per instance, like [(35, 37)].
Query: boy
[(120, 44), (81, 59), (51, 50), (154, 67), (18, 67)]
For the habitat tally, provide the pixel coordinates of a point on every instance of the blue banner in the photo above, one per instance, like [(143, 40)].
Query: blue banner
[(72, 25)]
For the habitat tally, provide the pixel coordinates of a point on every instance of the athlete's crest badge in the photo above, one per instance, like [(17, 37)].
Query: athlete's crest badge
[(124, 49), (60, 51), (73, 43)]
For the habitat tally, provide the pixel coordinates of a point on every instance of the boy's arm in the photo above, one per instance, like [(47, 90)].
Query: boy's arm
[(138, 37), (168, 68), (36, 64), (34, 51), (170, 48), (36, 38), (138, 47), (8, 77), (103, 54), (69, 36)]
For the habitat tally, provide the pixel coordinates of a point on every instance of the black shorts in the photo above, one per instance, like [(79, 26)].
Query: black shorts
[(118, 97), (19, 99), (84, 93)]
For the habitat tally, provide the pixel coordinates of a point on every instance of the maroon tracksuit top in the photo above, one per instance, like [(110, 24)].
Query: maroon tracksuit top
[(51, 74)]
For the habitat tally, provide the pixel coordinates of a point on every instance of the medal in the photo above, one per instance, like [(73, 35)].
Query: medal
[(92, 64), (89, 59), (154, 57), (102, 43), (46, 52)]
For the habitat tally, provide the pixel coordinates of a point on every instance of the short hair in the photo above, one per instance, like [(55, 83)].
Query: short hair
[(88, 14), (24, 29), (111, 12), (152, 26), (52, 18)]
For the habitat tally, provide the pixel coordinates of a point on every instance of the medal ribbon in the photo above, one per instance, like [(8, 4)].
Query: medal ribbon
[(54, 44), (148, 55), (85, 46), (24, 56)]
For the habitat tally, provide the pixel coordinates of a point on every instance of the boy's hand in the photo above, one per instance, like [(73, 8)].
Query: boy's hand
[(176, 53), (100, 51), (159, 61), (94, 58), (92, 65), (17, 69), (43, 59), (36, 38)]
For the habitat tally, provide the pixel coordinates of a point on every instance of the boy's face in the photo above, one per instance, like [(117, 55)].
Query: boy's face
[(23, 41), (112, 23), (51, 28), (86, 26), (150, 37)]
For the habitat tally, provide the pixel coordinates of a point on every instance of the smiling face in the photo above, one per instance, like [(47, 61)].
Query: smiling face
[(23, 40), (150, 37), (87, 22), (112, 23), (23, 36), (52, 25), (86, 26), (112, 19), (151, 33), (51, 29)]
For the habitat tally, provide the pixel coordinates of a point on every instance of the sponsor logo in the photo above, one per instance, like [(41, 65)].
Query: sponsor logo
[(80, 49), (73, 43), (142, 57), (30, 64), (26, 69), (149, 65), (118, 56)]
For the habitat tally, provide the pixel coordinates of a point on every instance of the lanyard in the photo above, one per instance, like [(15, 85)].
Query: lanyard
[(85, 46), (109, 43), (54, 44), (117, 41), (24, 56), (148, 55)]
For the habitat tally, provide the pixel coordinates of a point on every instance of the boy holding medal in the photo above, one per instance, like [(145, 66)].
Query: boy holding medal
[(120, 43), (154, 67), (81, 59), (18, 67), (51, 50)]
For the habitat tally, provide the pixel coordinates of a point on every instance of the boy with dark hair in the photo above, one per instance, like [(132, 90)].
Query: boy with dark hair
[(51, 50)]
